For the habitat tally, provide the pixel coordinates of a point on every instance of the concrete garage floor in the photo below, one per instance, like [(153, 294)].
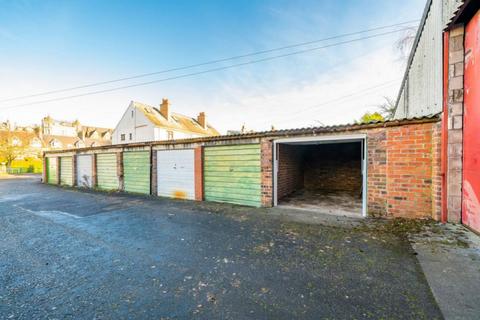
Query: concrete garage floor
[(67, 254), (326, 202)]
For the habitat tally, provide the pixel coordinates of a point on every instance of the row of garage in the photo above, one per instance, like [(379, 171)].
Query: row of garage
[(386, 168), (221, 173)]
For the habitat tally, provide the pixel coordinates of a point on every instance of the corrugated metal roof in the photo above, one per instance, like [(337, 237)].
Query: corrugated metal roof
[(421, 89), (463, 13), (276, 133)]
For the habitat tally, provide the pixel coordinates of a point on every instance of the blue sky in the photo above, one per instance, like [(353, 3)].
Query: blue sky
[(48, 45)]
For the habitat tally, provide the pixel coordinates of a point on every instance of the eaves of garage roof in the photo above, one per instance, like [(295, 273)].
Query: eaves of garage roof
[(464, 13), (271, 133)]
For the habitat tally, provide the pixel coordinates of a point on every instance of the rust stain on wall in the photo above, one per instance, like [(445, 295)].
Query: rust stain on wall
[(179, 194)]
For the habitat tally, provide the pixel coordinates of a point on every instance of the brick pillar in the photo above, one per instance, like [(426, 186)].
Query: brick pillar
[(121, 186), (267, 172), (377, 172), (74, 170), (455, 124), (59, 167), (198, 168), (436, 171), (94, 170), (44, 171), (153, 172)]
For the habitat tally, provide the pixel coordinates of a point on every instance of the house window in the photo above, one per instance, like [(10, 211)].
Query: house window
[(122, 137), (132, 113), (130, 136), (36, 143), (56, 144), (170, 135)]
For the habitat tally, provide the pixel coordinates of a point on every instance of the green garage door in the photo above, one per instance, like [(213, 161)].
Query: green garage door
[(136, 171), (51, 170), (232, 174), (107, 178), (66, 171)]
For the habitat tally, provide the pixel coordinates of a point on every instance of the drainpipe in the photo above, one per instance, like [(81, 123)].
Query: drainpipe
[(444, 152)]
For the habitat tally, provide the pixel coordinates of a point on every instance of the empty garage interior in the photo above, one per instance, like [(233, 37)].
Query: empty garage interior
[(321, 176)]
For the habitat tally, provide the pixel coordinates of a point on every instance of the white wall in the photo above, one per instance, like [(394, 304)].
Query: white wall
[(133, 122), (142, 129), (162, 134)]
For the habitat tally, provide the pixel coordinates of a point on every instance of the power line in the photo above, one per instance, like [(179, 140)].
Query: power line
[(364, 91), (205, 63), (200, 72)]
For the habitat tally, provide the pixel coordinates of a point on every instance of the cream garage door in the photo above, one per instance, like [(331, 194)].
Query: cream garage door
[(84, 171), (176, 174)]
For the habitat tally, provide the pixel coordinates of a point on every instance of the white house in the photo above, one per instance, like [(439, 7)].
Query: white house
[(142, 122)]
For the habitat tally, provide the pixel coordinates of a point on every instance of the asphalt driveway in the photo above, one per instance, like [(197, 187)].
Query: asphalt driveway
[(67, 254)]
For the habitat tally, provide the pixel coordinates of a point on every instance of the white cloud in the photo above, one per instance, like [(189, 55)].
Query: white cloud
[(293, 105), (240, 96)]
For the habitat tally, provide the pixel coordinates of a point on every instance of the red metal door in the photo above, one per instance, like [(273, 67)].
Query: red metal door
[(471, 127)]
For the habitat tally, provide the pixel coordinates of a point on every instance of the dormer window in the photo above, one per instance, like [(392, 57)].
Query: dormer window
[(55, 144), (79, 144)]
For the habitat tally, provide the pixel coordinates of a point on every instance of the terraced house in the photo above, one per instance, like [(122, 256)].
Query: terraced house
[(21, 147)]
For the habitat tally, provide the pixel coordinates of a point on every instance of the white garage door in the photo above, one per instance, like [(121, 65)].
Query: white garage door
[(84, 171), (176, 174)]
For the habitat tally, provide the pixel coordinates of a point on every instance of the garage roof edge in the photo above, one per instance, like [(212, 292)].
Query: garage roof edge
[(268, 134)]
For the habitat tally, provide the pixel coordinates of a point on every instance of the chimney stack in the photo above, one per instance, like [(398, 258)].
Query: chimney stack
[(202, 120), (165, 109)]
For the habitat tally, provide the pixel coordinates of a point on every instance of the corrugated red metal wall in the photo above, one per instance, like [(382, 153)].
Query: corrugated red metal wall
[(471, 127)]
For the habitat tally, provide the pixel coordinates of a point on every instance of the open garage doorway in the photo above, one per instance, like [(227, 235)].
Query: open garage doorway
[(321, 174)]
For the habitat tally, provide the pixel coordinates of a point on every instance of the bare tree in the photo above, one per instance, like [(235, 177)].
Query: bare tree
[(405, 42), (387, 108)]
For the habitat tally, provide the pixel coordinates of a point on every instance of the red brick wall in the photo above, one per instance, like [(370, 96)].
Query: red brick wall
[(333, 167), (409, 171), (94, 170), (198, 168), (403, 171), (120, 171), (153, 173), (376, 172), (266, 174), (290, 170), (437, 171)]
